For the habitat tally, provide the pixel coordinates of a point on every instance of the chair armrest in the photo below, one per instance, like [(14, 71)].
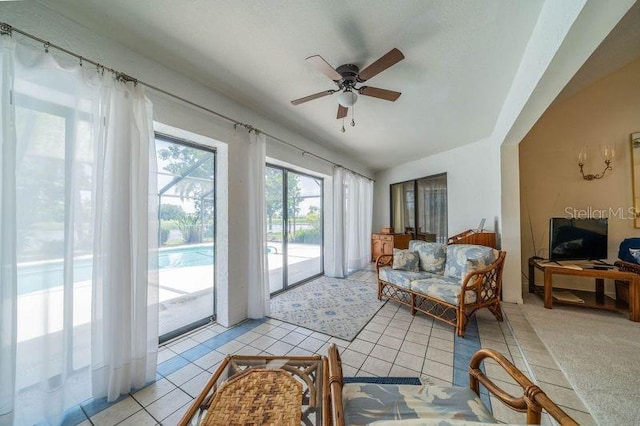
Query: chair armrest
[(627, 266), (488, 279), (383, 260), (335, 386), (532, 401)]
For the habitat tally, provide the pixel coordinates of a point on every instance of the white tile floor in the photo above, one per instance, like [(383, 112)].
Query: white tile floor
[(394, 343)]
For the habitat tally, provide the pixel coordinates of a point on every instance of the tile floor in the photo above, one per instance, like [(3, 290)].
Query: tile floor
[(394, 343)]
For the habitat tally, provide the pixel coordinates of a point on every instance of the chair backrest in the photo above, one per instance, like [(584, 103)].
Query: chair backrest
[(458, 254), (630, 250)]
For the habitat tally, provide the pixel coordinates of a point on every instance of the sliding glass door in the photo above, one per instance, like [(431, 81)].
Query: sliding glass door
[(419, 207), (186, 232), (294, 227)]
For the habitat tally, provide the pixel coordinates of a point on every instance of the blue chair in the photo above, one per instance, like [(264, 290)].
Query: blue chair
[(630, 250), (629, 255)]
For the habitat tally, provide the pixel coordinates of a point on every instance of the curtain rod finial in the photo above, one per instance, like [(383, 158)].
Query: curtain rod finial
[(6, 29)]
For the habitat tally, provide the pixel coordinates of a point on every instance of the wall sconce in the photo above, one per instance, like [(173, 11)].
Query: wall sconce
[(608, 152)]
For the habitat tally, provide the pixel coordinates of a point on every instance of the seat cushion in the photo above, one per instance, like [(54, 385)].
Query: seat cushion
[(365, 403), (401, 278), (458, 254), (443, 288), (432, 255)]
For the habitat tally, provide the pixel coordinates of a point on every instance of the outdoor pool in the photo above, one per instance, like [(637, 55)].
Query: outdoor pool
[(37, 276)]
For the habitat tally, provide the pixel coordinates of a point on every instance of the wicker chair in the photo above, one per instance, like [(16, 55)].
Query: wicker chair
[(348, 406)]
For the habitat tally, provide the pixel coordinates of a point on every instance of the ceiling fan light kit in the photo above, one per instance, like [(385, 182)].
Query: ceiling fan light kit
[(347, 98), (347, 76)]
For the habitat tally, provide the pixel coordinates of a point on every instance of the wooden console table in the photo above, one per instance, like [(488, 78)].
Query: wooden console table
[(591, 300)]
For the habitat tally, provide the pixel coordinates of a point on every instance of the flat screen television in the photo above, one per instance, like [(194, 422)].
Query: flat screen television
[(577, 239)]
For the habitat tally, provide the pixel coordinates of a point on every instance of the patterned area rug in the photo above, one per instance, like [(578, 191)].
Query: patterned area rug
[(337, 307)]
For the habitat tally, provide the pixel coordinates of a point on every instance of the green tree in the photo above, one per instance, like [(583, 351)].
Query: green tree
[(171, 212), (273, 196), (193, 171)]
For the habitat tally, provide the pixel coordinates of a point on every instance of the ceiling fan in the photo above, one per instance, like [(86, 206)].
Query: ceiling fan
[(348, 76)]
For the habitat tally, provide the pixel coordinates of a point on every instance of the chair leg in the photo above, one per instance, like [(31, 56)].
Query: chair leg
[(380, 285), (496, 310), (460, 323), (413, 304)]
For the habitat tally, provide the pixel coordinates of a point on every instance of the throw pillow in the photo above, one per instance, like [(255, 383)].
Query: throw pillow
[(405, 260), (636, 254), (432, 257)]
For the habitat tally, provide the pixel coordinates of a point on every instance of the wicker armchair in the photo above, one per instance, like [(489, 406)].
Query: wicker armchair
[(348, 406)]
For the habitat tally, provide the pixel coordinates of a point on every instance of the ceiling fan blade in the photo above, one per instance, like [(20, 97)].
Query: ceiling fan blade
[(342, 112), (387, 95), (392, 57), (323, 66), (312, 97)]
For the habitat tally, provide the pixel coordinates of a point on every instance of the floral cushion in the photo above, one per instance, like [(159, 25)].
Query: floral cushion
[(434, 422), (458, 254), (432, 255), (401, 278), (405, 260), (443, 288), (367, 403)]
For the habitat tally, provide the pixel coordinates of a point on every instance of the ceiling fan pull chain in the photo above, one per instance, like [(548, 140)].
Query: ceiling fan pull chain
[(353, 113), (343, 129)]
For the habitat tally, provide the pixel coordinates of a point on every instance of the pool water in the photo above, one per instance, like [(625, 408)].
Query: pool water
[(36, 276)]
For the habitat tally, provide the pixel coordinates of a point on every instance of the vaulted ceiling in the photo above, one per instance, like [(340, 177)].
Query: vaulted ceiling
[(460, 61)]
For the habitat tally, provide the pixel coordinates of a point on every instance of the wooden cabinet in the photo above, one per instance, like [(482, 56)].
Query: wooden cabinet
[(473, 237), (385, 243)]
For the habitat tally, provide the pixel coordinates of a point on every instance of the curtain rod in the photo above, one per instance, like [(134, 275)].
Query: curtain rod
[(9, 30)]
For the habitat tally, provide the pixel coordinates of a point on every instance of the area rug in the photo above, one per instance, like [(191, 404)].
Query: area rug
[(337, 307)]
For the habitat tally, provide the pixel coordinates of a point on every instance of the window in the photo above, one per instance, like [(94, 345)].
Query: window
[(420, 207)]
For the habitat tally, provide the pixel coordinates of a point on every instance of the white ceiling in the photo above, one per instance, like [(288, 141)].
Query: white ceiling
[(461, 58)]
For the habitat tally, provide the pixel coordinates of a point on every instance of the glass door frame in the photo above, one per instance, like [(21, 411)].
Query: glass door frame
[(210, 319), (285, 231)]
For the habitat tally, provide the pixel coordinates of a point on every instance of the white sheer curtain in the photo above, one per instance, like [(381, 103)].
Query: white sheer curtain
[(259, 297), (124, 319), (432, 206), (335, 258), (50, 194), (8, 288), (352, 216), (359, 212)]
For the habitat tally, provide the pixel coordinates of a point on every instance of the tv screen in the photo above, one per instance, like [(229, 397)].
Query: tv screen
[(577, 239)]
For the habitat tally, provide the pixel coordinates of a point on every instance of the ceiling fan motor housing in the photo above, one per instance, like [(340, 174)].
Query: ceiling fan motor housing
[(349, 73)]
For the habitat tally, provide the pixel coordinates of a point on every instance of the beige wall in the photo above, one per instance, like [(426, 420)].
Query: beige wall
[(606, 112)]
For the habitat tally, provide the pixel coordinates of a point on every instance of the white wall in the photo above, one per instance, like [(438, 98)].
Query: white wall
[(232, 288), (472, 193)]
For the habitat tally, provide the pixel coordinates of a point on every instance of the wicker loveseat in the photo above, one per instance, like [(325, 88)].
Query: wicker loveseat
[(427, 405), (449, 283)]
